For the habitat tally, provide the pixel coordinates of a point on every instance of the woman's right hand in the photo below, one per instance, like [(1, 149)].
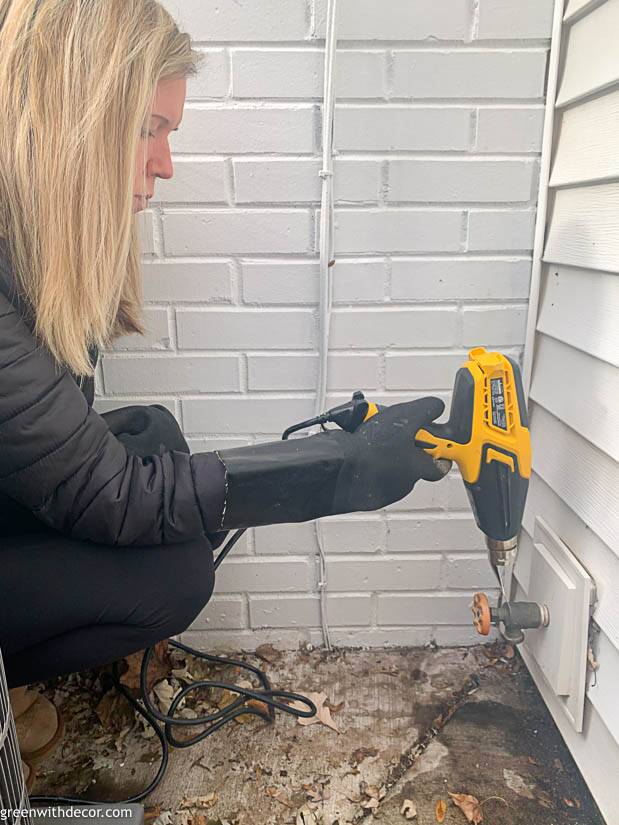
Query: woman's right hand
[(330, 473)]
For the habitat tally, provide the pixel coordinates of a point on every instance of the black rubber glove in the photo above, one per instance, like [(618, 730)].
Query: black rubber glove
[(330, 473)]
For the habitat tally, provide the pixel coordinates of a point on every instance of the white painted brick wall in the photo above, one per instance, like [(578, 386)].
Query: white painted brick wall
[(438, 131)]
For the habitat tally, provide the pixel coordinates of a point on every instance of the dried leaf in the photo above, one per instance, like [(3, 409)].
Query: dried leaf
[(164, 818), (469, 805), (316, 794), (206, 801), (165, 693), (408, 809), (115, 712), (370, 790), (268, 653), (440, 810), (322, 715), (544, 800), (158, 668), (360, 754), (278, 794), (152, 813), (306, 817)]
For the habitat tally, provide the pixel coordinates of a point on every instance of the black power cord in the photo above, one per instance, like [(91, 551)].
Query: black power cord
[(265, 695)]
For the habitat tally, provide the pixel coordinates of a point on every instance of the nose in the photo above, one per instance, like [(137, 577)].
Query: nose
[(160, 164)]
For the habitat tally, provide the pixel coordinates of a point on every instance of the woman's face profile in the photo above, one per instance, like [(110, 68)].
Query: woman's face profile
[(153, 158)]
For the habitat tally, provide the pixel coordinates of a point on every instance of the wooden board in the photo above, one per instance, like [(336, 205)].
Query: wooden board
[(581, 307), (587, 148), (580, 390), (584, 477), (591, 56), (583, 227)]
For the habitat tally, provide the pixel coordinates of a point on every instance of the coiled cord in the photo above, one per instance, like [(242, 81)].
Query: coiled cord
[(238, 707)]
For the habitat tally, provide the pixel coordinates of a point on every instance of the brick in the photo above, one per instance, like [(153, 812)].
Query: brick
[(281, 180), (227, 129), (426, 609), (473, 279), (381, 328), (380, 637), (238, 416), (212, 80), (397, 230), (284, 282), (495, 326), (299, 73), (430, 533), (501, 231), (300, 372), (171, 374), (230, 641), (447, 494), (401, 127), (157, 335), (427, 371), (146, 235), (353, 535), (505, 20), (464, 571), (222, 613), (456, 181), (304, 611), (209, 281), (193, 182), (245, 329), (469, 74), (236, 231), (293, 539), (265, 575), (395, 19), (510, 130), (269, 20), (394, 573)]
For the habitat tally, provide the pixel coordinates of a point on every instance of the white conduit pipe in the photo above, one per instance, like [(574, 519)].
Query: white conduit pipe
[(542, 199), (326, 247)]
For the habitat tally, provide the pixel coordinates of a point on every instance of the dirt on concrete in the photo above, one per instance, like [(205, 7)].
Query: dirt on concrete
[(414, 725)]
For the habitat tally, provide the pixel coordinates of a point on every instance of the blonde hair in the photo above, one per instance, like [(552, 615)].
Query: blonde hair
[(77, 83)]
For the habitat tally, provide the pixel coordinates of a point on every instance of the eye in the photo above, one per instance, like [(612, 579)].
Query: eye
[(144, 134)]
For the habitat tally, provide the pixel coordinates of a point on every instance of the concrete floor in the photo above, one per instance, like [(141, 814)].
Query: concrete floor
[(413, 725)]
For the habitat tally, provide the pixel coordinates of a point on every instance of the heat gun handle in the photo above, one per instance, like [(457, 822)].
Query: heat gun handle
[(441, 440), (487, 436)]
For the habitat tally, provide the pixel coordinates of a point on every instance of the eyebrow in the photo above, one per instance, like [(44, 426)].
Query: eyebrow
[(165, 120)]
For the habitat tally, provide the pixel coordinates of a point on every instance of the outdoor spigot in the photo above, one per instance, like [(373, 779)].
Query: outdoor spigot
[(514, 616)]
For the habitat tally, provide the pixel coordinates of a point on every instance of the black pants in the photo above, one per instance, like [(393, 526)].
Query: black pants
[(69, 605)]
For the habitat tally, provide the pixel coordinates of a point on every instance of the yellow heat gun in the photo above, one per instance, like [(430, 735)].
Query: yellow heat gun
[(487, 436)]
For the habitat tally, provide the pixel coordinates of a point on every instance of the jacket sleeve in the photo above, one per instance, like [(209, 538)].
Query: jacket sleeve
[(59, 458)]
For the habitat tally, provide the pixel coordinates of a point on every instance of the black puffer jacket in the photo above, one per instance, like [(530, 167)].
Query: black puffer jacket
[(60, 462)]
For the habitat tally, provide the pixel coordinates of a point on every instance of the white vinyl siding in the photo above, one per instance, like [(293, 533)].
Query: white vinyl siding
[(574, 395)]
